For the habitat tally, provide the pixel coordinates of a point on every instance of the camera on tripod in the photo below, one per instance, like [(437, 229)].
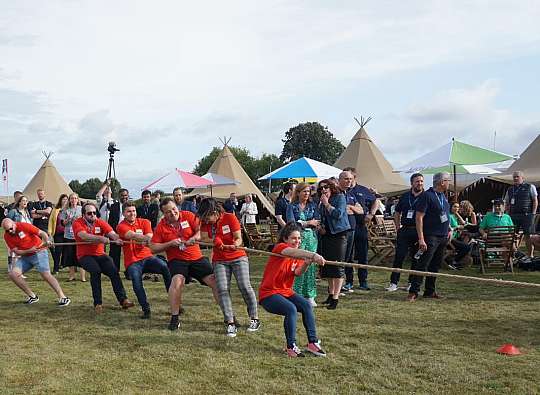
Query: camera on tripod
[(112, 148)]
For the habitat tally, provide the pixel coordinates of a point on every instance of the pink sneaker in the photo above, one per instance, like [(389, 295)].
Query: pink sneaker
[(294, 352), (315, 349)]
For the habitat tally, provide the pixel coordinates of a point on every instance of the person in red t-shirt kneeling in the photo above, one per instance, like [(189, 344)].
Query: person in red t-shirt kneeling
[(177, 234), (92, 256), (31, 244), (223, 229), (138, 258), (276, 294)]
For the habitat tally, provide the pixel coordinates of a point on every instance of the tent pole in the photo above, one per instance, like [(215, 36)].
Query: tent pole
[(455, 182)]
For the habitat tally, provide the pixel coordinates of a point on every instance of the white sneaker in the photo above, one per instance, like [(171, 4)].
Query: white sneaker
[(312, 302), (392, 287), (231, 330), (408, 287)]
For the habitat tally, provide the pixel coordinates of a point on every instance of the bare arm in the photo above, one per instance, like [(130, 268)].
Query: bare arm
[(397, 219), (85, 236), (130, 235), (420, 230), (535, 204)]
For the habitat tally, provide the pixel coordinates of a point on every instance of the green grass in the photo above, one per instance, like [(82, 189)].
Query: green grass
[(376, 343)]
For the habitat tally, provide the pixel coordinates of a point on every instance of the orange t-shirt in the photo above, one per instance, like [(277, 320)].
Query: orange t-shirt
[(26, 236), (134, 252), (98, 228), (278, 276), (187, 226), (224, 229)]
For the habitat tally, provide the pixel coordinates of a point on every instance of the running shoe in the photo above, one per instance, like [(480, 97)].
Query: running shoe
[(294, 352), (64, 302), (174, 325), (32, 299), (315, 349), (231, 330), (254, 325), (392, 287)]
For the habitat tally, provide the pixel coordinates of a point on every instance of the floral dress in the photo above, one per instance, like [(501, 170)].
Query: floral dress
[(305, 284)]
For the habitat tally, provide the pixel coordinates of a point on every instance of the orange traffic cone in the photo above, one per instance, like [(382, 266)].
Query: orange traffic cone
[(508, 349)]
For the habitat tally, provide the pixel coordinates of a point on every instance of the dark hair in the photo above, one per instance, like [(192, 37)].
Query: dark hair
[(166, 201), (207, 207), (127, 204), (177, 189), (351, 169), (122, 190), (334, 189), (145, 192), (287, 231), (88, 204), (17, 193), (19, 200), (287, 187), (59, 203), (416, 175)]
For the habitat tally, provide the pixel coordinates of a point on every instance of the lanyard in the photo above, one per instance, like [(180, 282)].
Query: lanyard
[(440, 199), (411, 205), (514, 190), (178, 227)]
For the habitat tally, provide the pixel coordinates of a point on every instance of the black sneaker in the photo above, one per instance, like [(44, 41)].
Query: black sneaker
[(254, 325), (32, 299), (328, 300), (231, 330), (174, 325), (64, 301), (333, 304), (146, 314)]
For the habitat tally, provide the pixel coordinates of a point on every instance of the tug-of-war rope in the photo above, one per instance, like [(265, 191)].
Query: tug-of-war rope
[(453, 277)]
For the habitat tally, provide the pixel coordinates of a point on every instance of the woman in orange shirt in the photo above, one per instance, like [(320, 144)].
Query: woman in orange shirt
[(276, 294), (224, 231)]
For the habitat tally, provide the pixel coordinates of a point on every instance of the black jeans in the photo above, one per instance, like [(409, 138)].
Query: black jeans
[(430, 260), (360, 252), (406, 243), (462, 249), (57, 251), (102, 264), (114, 252)]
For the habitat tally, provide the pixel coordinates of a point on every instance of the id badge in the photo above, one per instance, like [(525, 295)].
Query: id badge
[(21, 235), (138, 231), (97, 230), (184, 224), (512, 201), (444, 218), (410, 214), (225, 229)]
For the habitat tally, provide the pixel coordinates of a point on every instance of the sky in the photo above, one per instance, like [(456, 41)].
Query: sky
[(166, 79)]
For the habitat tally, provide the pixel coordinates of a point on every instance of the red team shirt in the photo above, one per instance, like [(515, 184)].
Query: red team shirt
[(278, 277), (98, 228), (188, 224), (134, 252), (26, 236), (224, 229)]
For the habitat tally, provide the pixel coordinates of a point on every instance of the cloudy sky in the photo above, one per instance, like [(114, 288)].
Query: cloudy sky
[(165, 79)]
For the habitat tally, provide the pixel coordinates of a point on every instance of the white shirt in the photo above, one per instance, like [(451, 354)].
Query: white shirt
[(249, 213)]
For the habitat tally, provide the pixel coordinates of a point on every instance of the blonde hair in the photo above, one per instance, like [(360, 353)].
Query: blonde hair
[(299, 188), (466, 207)]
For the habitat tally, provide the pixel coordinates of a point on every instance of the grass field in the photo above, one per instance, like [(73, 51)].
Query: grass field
[(376, 343)]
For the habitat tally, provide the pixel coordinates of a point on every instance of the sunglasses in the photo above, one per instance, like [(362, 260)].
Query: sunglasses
[(90, 213), (324, 187), (11, 230)]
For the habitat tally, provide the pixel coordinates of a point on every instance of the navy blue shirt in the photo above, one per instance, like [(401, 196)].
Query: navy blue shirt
[(281, 207), (365, 198), (188, 205), (351, 201), (434, 204), (407, 202)]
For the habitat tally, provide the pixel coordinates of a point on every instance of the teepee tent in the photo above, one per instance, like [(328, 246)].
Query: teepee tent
[(48, 179), (372, 168), (226, 165), (528, 163)]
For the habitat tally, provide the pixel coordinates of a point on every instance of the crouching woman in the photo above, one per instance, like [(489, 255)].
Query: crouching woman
[(277, 296)]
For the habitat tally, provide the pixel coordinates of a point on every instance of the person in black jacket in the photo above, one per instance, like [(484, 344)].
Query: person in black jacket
[(147, 209), (115, 217)]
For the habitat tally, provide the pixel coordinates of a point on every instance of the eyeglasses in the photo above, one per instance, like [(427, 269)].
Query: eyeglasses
[(90, 213), (11, 230), (325, 187)]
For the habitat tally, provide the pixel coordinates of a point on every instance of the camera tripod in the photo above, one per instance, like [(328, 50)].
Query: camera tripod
[(111, 171)]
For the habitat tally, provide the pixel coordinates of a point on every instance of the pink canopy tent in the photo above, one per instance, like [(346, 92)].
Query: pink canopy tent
[(178, 178)]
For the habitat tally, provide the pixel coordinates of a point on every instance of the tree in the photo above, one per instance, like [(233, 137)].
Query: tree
[(75, 186), (313, 140), (264, 165), (89, 188)]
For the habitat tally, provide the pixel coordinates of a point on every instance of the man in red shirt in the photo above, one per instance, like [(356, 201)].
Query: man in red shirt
[(92, 256), (31, 244), (138, 259), (177, 234)]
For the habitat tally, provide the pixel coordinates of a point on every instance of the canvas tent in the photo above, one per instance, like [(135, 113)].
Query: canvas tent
[(372, 168), (226, 165), (528, 162), (48, 179)]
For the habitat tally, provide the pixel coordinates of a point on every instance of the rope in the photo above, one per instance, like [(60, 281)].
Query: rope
[(453, 277)]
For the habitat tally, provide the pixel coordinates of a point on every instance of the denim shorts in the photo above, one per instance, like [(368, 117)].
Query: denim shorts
[(39, 260)]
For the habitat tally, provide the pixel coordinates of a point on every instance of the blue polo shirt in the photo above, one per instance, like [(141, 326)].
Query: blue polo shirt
[(434, 204), (365, 198), (407, 202), (351, 200)]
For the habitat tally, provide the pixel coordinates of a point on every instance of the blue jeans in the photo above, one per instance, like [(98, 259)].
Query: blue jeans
[(39, 261), (288, 307), (147, 265)]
